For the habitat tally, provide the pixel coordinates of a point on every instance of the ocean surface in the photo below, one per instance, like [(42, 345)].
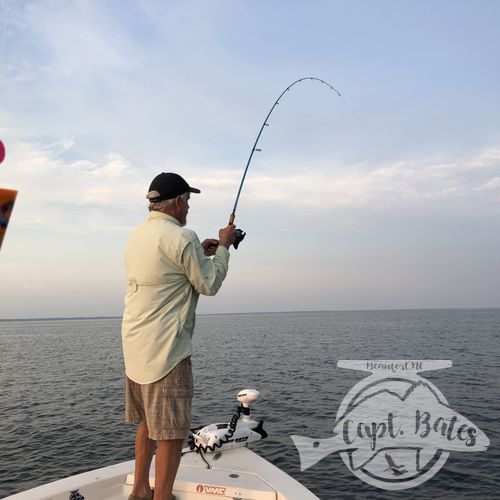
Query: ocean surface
[(61, 404)]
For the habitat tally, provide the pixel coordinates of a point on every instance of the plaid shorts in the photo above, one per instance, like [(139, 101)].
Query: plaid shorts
[(165, 405)]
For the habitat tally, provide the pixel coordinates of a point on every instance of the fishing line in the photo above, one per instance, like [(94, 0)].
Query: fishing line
[(239, 233), (367, 129)]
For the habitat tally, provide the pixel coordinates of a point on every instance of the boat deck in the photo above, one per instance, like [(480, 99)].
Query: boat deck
[(234, 473)]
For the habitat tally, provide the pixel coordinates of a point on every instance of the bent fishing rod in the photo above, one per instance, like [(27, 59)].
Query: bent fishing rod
[(239, 233)]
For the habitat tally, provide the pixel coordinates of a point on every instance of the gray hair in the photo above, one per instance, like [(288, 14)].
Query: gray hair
[(162, 205)]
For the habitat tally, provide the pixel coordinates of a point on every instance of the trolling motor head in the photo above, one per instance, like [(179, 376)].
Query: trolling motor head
[(246, 397)]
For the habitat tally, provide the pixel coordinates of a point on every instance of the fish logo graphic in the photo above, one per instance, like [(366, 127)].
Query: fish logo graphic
[(394, 429)]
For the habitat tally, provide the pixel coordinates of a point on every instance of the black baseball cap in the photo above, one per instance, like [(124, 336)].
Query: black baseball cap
[(169, 185)]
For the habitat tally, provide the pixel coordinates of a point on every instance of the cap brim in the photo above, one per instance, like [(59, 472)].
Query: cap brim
[(193, 190)]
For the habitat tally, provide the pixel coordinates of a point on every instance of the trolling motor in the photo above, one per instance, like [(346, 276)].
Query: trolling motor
[(239, 431)]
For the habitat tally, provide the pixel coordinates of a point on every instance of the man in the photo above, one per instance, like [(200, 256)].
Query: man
[(167, 268)]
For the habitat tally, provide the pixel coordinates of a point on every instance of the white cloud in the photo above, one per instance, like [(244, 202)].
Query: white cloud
[(415, 182), (492, 184), (51, 186)]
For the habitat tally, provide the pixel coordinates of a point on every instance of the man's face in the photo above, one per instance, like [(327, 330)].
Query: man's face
[(183, 209)]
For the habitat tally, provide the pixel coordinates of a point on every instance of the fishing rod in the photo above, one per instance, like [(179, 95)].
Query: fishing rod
[(239, 233)]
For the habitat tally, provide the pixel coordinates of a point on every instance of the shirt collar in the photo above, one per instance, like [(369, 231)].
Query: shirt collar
[(154, 214)]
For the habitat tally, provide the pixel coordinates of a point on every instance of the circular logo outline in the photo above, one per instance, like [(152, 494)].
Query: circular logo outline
[(431, 468)]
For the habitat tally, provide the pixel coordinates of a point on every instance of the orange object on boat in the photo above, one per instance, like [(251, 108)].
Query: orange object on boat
[(7, 199)]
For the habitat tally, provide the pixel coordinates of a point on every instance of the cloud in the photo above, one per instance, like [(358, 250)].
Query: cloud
[(50, 186), (492, 187), (415, 182), (98, 195)]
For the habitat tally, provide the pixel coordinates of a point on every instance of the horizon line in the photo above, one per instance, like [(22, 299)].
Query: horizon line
[(62, 318)]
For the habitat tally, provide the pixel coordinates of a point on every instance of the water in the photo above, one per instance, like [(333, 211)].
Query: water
[(61, 405)]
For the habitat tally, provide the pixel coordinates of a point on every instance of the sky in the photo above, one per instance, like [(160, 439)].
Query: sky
[(387, 197)]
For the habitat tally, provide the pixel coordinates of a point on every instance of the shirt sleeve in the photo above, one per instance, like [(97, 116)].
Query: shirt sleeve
[(204, 273)]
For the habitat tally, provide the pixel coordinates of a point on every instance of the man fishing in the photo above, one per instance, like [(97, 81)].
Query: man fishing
[(167, 268)]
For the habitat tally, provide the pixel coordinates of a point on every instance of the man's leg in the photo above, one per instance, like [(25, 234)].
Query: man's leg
[(168, 456), (144, 448)]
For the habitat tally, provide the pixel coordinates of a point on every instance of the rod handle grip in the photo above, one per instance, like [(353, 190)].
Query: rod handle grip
[(231, 218)]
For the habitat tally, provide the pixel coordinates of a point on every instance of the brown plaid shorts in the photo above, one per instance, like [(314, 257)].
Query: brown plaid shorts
[(165, 405)]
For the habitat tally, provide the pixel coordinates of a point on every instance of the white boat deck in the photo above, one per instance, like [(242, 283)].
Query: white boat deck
[(236, 473)]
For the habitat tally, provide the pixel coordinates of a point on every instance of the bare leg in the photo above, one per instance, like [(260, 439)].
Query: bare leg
[(144, 448), (168, 456)]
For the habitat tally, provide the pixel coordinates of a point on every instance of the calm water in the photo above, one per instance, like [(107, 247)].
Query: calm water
[(62, 390)]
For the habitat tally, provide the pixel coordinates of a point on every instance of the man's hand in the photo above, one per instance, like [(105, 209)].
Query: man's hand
[(227, 235), (210, 246)]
